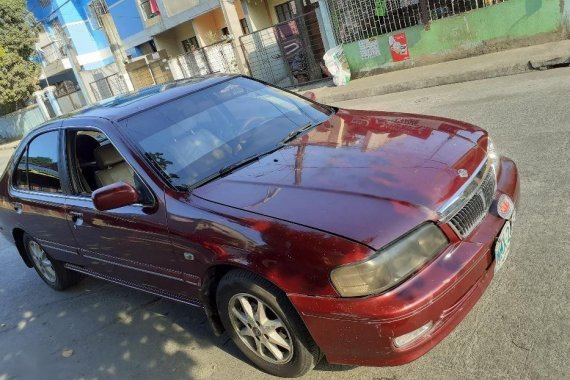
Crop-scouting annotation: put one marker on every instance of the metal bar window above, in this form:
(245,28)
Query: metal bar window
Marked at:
(244,26)
(98,8)
(285,11)
(190,44)
(355,20)
(53,52)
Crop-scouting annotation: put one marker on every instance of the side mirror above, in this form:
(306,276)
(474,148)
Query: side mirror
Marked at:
(310,95)
(115,195)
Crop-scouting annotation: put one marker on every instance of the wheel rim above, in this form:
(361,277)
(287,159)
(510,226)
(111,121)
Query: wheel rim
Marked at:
(42,262)
(260,328)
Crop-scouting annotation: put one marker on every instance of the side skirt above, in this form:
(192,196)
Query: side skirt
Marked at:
(144,288)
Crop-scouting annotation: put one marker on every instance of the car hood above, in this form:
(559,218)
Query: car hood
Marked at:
(366,176)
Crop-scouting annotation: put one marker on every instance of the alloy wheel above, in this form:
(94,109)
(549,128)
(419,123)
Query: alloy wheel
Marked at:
(260,328)
(42,262)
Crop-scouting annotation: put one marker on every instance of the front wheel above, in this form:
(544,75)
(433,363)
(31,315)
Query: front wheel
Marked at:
(51,271)
(265,326)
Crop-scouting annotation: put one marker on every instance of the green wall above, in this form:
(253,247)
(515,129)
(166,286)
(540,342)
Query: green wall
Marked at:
(513,19)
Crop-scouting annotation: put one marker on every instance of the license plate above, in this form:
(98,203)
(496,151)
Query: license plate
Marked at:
(503,245)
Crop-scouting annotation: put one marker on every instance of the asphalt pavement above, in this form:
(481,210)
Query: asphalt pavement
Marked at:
(520,329)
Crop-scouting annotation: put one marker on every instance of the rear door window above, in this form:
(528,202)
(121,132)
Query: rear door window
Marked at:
(43,163)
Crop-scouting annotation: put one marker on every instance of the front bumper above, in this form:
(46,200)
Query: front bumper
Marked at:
(360,331)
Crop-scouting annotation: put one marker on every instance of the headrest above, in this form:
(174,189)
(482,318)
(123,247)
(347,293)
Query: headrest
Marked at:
(85,147)
(106,156)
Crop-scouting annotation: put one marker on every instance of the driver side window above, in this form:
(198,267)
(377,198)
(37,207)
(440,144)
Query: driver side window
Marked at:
(95,163)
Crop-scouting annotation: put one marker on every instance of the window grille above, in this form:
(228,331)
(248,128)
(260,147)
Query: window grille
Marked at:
(57,32)
(355,20)
(98,8)
(285,11)
(244,26)
(190,44)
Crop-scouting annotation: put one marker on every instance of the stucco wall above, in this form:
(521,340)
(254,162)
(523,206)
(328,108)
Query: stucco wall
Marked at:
(89,43)
(171,40)
(513,19)
(262,13)
(168,41)
(176,6)
(210,22)
(239,9)
(259,16)
(126,15)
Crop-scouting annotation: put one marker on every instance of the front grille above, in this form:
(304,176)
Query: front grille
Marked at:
(470,215)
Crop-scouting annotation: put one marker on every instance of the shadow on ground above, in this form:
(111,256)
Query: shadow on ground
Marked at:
(106,330)
(102,330)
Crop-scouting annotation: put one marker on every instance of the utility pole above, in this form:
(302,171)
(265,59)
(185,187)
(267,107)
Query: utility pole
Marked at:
(232,22)
(70,51)
(110,30)
(65,40)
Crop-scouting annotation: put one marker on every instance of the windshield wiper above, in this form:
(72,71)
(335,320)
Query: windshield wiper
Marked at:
(293,135)
(248,160)
(233,167)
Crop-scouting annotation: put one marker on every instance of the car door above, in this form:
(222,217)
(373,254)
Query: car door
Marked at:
(130,243)
(37,193)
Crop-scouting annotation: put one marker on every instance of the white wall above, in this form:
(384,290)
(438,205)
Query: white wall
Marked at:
(171,40)
(213,22)
(176,6)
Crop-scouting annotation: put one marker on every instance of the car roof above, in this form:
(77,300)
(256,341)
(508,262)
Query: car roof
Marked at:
(122,106)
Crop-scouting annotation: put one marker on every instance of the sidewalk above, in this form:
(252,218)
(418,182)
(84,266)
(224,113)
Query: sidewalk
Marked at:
(9,146)
(508,62)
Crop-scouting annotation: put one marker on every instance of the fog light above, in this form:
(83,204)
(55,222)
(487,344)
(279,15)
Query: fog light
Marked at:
(505,207)
(408,338)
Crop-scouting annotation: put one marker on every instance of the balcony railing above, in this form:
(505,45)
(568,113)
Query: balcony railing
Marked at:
(53,52)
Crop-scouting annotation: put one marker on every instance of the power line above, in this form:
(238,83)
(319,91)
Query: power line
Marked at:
(51,14)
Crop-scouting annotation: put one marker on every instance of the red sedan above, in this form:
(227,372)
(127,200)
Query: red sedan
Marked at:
(302,230)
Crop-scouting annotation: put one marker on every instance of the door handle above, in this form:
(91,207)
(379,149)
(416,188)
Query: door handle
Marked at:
(18,207)
(76,218)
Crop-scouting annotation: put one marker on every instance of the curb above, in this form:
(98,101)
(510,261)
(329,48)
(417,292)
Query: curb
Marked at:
(468,76)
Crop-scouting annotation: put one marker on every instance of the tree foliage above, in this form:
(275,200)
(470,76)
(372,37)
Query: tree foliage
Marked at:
(18,75)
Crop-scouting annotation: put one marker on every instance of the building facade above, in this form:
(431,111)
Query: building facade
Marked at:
(379,36)
(73,47)
(108,47)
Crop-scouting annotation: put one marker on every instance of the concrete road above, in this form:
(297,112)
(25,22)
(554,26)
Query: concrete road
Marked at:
(520,329)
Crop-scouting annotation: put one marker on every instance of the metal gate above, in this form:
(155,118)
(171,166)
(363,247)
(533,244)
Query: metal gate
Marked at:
(286,54)
(215,58)
(109,86)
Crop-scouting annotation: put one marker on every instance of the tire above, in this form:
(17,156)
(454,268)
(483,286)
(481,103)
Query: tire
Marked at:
(281,328)
(51,271)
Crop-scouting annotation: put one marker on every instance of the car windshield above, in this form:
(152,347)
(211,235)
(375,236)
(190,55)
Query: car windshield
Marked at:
(193,138)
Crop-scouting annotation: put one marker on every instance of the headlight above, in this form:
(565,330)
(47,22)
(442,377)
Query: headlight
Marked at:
(493,156)
(391,265)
